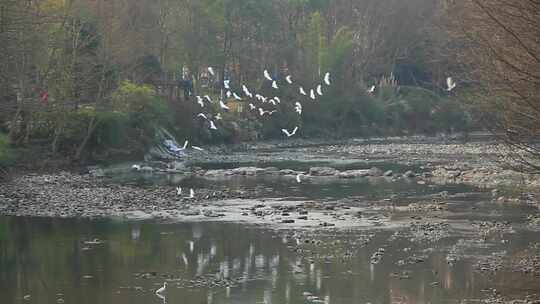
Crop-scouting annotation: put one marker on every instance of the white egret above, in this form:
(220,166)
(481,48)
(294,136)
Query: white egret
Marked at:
(136,167)
(272,101)
(302,91)
(212,126)
(211,71)
(200,101)
(178,190)
(191,193)
(298,108)
(277,99)
(298,180)
(202,115)
(327,79)
(226,84)
(228,94)
(218,116)
(262,112)
(267,75)
(252,107)
(289,79)
(289,134)
(197,148)
(247,92)
(274,85)
(319,90)
(450,83)
(312,94)
(162,289)
(223,105)
(371,89)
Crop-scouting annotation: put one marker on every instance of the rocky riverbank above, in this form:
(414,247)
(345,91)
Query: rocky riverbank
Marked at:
(93,195)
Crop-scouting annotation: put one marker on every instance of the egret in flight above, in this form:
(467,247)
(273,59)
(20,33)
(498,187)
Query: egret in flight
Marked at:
(223,105)
(267,75)
(450,84)
(289,134)
(200,101)
(289,79)
(247,92)
(327,79)
(262,112)
(319,90)
(298,108)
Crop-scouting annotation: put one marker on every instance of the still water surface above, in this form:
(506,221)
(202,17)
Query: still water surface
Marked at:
(225,263)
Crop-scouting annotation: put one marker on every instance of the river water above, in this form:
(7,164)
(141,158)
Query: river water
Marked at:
(53,260)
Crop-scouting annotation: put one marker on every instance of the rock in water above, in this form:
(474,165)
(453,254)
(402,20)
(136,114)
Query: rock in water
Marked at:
(322,171)
(409,174)
(375,172)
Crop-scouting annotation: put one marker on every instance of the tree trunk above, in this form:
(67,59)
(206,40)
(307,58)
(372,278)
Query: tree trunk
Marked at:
(90,131)
(57,133)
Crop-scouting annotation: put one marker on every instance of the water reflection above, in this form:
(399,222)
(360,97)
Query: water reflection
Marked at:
(216,263)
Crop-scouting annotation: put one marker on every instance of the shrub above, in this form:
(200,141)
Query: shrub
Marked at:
(7,157)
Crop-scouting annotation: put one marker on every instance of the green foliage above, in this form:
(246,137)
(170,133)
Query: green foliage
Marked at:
(7,156)
(140,103)
(336,56)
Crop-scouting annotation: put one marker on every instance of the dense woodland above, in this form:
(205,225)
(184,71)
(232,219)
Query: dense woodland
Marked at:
(87,79)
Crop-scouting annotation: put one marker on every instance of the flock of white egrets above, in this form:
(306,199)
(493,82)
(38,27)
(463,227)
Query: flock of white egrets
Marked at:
(261,105)
(253,99)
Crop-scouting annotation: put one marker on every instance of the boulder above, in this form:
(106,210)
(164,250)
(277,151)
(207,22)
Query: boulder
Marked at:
(245,171)
(375,172)
(409,174)
(353,173)
(322,171)
(147,169)
(286,172)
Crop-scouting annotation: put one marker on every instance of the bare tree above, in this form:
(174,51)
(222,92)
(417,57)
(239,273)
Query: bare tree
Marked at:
(500,51)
